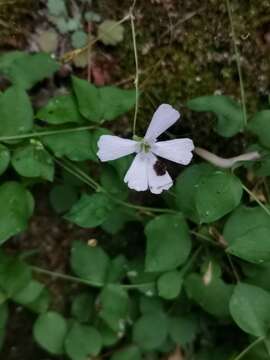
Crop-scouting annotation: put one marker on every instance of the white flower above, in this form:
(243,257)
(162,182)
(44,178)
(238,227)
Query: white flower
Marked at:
(146,171)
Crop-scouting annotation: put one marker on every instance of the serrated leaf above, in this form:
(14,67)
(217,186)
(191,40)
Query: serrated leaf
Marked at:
(110,32)
(79,39)
(228,111)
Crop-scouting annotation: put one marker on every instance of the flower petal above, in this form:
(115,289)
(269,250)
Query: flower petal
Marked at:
(136,176)
(178,150)
(164,117)
(157,183)
(113,147)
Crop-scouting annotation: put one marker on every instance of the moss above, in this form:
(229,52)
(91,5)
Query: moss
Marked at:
(196,58)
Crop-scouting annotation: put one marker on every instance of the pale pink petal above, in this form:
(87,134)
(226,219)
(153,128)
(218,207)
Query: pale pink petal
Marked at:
(157,183)
(178,150)
(113,147)
(136,176)
(164,117)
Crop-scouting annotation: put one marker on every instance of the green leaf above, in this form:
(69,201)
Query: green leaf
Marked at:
(114,303)
(61,109)
(186,187)
(117,219)
(212,296)
(150,331)
(247,233)
(79,39)
(41,304)
(103,103)
(217,195)
(4,158)
(183,329)
(57,7)
(229,113)
(30,293)
(169,285)
(50,330)
(89,263)
(259,125)
(47,40)
(167,255)
(91,210)
(82,342)
(112,183)
(15,112)
(131,352)
(26,70)
(33,161)
(63,197)
(110,32)
(249,307)
(109,337)
(74,145)
(82,307)
(15,275)
(18,209)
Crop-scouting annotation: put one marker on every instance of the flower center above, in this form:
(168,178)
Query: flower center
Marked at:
(144,146)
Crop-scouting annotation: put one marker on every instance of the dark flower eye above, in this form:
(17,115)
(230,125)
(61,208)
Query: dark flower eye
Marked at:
(160,168)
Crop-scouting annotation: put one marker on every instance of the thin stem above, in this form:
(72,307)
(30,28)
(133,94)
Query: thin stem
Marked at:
(238,62)
(136,80)
(80,174)
(71,278)
(74,173)
(65,277)
(248,348)
(204,238)
(45,133)
(69,56)
(258,201)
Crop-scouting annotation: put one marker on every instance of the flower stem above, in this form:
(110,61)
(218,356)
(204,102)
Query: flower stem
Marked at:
(247,349)
(238,62)
(136,79)
(258,201)
(45,133)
